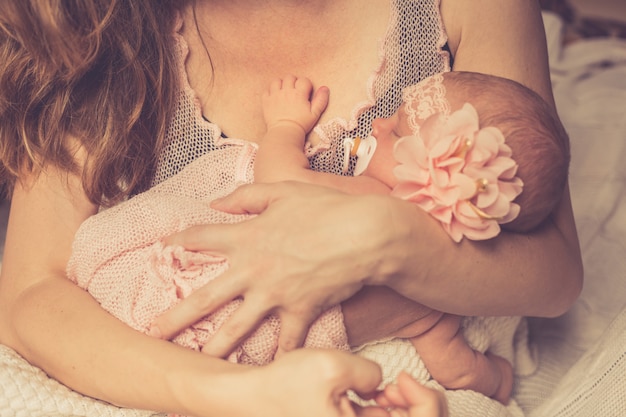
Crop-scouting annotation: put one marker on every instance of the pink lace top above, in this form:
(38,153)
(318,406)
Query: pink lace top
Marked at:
(117,256)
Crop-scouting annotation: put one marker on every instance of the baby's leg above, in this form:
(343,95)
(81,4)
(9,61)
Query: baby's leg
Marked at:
(455,365)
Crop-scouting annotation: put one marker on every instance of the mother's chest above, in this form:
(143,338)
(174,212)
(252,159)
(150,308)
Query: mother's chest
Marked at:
(342,56)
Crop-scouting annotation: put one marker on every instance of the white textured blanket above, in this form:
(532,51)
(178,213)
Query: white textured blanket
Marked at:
(582,354)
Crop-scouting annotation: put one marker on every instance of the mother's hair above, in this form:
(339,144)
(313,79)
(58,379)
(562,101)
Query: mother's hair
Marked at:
(100,72)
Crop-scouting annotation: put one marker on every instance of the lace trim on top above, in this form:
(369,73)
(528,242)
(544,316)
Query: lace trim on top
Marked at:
(411,50)
(338,123)
(424,99)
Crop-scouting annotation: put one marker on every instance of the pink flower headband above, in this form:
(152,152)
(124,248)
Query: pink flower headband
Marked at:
(461,174)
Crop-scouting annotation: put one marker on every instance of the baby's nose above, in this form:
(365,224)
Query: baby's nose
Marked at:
(382,126)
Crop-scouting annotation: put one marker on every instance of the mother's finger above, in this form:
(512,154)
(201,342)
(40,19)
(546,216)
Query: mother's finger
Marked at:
(371,411)
(366,376)
(198,304)
(422,401)
(236,329)
(293,331)
(208,238)
(256,198)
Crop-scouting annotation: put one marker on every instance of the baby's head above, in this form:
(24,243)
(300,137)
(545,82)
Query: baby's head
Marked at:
(531,129)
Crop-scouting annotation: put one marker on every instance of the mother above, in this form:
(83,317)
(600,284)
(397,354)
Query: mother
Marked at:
(90,112)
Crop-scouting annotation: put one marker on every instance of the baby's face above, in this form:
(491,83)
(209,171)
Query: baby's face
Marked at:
(387,132)
(392,128)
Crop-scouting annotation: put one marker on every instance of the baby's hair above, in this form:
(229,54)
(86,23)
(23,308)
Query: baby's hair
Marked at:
(100,74)
(532,129)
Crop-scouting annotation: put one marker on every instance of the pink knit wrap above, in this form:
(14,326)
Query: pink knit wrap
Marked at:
(119,259)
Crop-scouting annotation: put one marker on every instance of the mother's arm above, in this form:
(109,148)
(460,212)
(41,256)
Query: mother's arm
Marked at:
(62,329)
(334,244)
(59,327)
(538,274)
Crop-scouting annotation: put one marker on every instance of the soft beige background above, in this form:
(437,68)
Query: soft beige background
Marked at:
(604,9)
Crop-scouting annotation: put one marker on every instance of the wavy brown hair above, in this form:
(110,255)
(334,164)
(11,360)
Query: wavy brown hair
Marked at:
(101,72)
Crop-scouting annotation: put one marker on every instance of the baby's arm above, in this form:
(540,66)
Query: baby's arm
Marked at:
(290,113)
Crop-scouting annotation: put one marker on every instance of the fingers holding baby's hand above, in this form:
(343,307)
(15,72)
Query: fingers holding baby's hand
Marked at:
(409,398)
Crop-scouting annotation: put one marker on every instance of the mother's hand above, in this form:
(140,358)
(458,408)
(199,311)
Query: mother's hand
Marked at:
(316,383)
(309,248)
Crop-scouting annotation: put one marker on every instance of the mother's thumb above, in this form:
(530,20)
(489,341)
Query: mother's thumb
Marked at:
(249,198)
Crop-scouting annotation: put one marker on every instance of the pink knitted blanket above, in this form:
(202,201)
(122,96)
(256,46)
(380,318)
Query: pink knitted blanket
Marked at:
(119,259)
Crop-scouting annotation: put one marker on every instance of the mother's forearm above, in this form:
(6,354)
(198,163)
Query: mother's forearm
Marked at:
(536,274)
(60,328)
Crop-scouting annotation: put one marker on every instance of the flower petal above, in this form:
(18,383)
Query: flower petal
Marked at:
(440,171)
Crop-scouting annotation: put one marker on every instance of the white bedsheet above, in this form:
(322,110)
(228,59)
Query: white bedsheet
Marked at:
(589,80)
(582,355)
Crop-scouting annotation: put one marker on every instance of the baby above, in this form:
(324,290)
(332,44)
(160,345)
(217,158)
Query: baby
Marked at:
(454,160)
(445,150)
(447,156)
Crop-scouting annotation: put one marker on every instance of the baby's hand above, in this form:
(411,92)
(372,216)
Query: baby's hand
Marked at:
(289,102)
(409,398)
